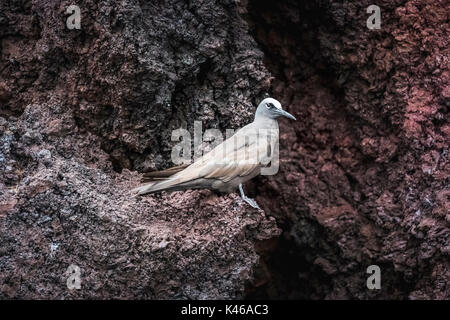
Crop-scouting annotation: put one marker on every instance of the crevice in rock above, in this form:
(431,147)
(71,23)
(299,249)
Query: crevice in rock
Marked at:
(305,262)
(286,270)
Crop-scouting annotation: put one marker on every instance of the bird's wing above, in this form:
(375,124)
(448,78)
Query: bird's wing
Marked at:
(237,156)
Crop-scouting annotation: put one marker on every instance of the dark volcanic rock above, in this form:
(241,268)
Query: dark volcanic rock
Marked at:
(364,175)
(64,211)
(79,106)
(135,70)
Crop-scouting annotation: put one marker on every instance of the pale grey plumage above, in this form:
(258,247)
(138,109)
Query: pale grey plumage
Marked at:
(229,164)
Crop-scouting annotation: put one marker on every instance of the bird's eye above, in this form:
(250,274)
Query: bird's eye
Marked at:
(270,106)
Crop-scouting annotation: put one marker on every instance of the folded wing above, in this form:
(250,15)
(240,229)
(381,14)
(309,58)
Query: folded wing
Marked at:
(237,156)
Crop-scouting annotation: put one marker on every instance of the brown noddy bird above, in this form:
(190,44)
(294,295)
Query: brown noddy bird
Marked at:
(231,163)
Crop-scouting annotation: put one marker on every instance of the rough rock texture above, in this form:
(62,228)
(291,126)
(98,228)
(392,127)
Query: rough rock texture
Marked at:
(135,70)
(365,172)
(81,107)
(364,175)
(64,211)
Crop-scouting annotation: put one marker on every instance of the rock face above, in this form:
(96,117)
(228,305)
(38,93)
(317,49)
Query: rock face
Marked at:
(365,178)
(80,108)
(66,210)
(364,175)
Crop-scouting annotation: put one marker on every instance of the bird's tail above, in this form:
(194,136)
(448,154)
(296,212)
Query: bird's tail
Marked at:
(155,176)
(153,187)
(159,180)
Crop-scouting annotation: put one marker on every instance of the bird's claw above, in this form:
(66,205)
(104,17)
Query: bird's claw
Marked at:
(252,203)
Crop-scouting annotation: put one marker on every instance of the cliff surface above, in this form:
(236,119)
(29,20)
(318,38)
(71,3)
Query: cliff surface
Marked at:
(364,173)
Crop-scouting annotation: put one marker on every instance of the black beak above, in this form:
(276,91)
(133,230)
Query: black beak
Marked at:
(286,114)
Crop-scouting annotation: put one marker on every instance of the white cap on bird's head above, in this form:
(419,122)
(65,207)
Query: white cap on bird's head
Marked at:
(271,108)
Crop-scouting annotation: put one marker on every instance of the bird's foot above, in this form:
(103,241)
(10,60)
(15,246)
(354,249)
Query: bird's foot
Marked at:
(250,201)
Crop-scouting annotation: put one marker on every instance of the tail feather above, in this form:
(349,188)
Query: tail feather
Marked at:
(159,180)
(163,174)
(152,187)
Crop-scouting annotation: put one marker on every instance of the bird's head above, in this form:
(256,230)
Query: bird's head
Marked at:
(271,108)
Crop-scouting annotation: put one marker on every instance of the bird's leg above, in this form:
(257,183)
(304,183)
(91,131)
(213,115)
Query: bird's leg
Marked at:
(247,199)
